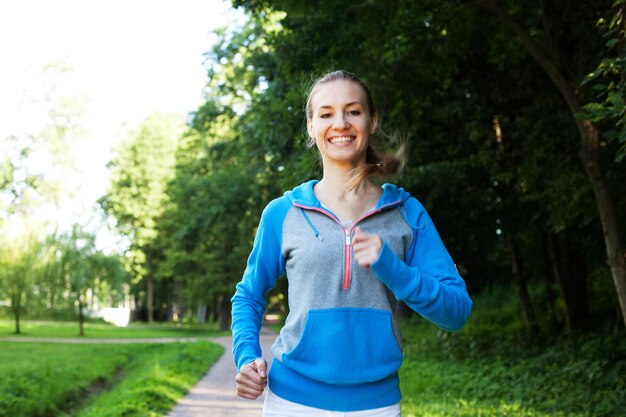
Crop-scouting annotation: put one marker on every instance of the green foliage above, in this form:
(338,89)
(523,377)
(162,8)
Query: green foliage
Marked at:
(21,259)
(608,83)
(136,196)
(140,172)
(51,379)
(490,368)
(77,267)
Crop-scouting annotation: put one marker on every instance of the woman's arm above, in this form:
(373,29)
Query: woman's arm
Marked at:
(428,282)
(265,265)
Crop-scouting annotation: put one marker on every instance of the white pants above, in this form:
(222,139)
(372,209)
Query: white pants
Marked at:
(275,406)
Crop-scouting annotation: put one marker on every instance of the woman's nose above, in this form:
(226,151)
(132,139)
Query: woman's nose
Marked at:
(341,122)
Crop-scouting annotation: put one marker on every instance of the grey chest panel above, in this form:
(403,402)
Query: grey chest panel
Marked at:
(316,261)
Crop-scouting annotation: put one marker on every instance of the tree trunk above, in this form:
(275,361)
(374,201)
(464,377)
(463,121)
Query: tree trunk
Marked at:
(16,306)
(81,319)
(576,276)
(588,153)
(180,299)
(215,309)
(149,289)
(201,313)
(522,288)
(548,272)
(224,313)
(570,276)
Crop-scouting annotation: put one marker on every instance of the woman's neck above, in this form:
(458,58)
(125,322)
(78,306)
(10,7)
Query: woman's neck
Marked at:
(348,204)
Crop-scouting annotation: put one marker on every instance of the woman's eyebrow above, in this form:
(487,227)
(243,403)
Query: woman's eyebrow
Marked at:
(327,106)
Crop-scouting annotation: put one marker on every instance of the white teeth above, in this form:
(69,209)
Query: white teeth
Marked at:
(341,139)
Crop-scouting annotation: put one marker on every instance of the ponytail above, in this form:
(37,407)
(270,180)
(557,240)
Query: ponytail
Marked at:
(378,165)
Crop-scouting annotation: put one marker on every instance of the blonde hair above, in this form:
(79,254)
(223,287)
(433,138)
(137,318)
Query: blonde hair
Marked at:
(376,163)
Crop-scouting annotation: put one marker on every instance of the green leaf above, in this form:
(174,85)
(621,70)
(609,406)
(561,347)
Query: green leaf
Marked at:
(590,77)
(615,20)
(611,42)
(594,107)
(589,116)
(610,134)
(617,101)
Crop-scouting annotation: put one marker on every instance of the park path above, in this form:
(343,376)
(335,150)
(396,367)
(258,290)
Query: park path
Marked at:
(214,395)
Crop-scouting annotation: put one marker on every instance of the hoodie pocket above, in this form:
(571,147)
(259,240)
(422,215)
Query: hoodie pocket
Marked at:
(346,346)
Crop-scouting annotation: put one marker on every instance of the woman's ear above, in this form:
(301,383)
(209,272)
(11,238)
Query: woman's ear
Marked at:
(374,123)
(309,129)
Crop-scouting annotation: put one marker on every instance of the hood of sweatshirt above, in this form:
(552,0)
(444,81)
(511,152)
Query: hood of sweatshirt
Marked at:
(304,196)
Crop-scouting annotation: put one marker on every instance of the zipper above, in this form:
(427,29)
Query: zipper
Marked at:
(347,265)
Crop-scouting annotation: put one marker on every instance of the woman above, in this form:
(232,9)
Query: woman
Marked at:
(350,249)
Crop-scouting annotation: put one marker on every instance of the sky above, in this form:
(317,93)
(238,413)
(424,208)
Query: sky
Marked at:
(128,58)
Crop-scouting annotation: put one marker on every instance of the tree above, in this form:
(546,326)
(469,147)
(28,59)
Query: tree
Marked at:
(589,152)
(20,261)
(136,197)
(83,268)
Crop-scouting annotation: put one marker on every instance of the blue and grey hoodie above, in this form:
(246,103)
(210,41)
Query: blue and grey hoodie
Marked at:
(340,347)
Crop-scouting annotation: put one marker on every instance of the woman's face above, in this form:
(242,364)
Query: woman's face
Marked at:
(340,122)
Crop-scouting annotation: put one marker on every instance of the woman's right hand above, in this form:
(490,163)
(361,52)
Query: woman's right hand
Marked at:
(252,379)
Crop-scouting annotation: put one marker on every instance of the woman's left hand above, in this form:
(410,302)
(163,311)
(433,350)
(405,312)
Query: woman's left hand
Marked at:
(366,247)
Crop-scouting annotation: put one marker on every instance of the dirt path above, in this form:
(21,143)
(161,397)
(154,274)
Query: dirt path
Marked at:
(214,395)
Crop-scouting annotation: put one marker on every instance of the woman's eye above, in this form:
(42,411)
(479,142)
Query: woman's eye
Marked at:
(354,112)
(325,115)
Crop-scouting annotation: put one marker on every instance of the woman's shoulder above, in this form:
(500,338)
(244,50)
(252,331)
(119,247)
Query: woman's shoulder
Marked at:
(410,205)
(278,205)
(393,192)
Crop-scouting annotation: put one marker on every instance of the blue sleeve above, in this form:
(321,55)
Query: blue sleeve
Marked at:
(265,265)
(428,281)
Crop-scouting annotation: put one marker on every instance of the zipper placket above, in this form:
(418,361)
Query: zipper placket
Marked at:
(347,266)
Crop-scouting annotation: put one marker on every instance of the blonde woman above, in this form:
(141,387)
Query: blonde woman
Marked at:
(350,250)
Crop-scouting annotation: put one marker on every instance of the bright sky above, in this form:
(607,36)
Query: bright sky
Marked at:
(130,59)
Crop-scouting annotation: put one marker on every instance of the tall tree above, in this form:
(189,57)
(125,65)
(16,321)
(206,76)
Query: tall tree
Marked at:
(136,197)
(549,56)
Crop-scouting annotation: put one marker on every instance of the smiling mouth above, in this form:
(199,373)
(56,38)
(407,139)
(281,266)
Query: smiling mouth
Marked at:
(341,139)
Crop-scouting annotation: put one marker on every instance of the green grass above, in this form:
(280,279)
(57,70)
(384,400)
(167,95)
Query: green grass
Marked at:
(494,368)
(40,379)
(105,330)
(154,385)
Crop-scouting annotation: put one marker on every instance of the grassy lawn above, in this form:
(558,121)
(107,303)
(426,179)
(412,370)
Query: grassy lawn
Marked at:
(54,379)
(105,330)
(478,372)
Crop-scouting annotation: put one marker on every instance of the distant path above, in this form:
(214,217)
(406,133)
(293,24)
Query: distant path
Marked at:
(214,395)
